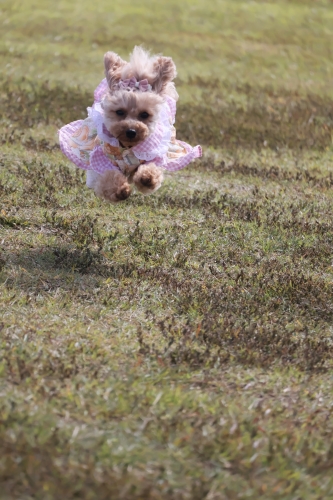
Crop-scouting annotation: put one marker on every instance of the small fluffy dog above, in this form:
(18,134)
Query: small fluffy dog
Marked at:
(129,135)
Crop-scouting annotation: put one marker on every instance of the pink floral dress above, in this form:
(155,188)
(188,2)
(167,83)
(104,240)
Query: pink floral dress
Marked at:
(89,145)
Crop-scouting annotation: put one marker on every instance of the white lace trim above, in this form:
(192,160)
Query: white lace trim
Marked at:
(96,113)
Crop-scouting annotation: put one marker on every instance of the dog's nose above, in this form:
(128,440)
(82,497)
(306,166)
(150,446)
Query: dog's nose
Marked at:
(130,133)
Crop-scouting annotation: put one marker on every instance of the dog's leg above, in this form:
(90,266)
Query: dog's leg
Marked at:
(148,178)
(112,186)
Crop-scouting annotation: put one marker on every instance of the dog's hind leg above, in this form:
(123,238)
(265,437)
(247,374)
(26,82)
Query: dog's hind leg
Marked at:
(112,186)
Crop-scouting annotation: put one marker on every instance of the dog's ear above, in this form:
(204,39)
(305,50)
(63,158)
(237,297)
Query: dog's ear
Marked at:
(165,71)
(113,65)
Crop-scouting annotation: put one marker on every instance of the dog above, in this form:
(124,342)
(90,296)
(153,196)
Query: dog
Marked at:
(129,136)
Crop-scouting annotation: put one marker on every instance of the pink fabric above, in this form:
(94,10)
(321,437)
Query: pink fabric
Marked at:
(101,90)
(99,162)
(133,84)
(153,149)
(65,133)
(183,161)
(172,107)
(152,146)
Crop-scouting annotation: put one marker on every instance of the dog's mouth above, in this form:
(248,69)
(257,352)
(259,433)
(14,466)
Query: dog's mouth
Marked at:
(129,134)
(129,142)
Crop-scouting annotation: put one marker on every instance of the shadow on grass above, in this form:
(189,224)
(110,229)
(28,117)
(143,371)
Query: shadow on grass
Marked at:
(44,270)
(218,341)
(282,319)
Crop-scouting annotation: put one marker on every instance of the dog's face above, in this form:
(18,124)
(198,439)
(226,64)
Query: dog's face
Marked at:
(131,116)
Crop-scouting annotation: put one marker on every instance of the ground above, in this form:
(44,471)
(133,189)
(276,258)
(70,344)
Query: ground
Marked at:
(177,346)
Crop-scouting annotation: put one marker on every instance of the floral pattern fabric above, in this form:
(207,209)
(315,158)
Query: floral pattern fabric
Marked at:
(89,145)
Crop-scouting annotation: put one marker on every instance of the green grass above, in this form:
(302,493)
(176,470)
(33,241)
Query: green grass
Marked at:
(178,346)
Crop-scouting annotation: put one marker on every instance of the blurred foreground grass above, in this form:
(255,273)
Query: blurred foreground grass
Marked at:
(177,346)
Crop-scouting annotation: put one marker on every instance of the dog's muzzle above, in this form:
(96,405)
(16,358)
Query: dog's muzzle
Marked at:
(130,133)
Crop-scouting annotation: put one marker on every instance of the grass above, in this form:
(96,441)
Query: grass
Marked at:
(178,346)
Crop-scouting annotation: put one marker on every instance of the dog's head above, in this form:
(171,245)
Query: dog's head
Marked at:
(136,94)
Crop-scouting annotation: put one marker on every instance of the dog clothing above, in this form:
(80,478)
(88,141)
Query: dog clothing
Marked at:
(90,146)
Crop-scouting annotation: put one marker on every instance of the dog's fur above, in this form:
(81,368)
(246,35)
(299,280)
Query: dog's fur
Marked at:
(132,104)
(114,186)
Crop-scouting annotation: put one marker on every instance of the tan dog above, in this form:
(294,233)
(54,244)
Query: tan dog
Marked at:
(131,116)
(129,137)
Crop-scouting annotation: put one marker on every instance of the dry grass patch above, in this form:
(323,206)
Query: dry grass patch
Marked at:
(177,346)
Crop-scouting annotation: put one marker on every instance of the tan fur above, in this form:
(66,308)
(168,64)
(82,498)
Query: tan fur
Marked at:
(148,178)
(132,103)
(119,130)
(160,71)
(165,71)
(113,65)
(112,186)
(140,65)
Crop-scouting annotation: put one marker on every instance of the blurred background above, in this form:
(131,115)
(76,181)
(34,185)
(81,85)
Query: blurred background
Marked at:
(244,66)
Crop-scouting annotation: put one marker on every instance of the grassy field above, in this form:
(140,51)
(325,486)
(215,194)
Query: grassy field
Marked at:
(177,346)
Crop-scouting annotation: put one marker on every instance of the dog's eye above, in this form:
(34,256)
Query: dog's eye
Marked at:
(143,115)
(120,112)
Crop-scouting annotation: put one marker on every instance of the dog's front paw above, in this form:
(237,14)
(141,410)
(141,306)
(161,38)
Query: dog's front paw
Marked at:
(148,178)
(112,186)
